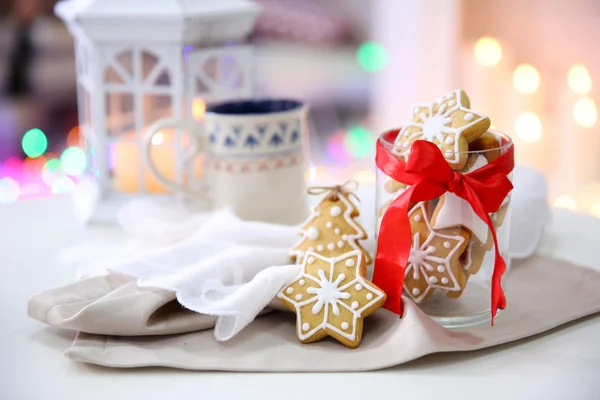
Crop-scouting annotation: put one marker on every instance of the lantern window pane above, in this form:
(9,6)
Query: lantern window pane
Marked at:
(125,60)
(149,62)
(120,116)
(156,107)
(163,79)
(112,76)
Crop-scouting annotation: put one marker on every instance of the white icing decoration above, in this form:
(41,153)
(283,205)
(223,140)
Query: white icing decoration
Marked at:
(447,244)
(345,325)
(310,260)
(298,297)
(449,140)
(329,224)
(336,211)
(313,233)
(331,246)
(340,244)
(337,231)
(369,296)
(423,257)
(405,145)
(434,122)
(320,247)
(317,214)
(344,237)
(349,262)
(448,154)
(444,280)
(469,116)
(415,110)
(456,211)
(290,290)
(301,282)
(358,286)
(305,326)
(417,218)
(328,293)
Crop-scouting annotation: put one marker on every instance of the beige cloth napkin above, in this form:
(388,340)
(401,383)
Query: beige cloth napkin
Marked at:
(543,293)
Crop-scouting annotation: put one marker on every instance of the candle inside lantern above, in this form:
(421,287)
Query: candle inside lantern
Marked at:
(127,164)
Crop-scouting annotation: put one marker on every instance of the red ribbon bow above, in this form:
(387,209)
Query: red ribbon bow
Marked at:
(429,177)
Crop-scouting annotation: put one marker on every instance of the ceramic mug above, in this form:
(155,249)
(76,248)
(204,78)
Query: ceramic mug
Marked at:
(254,158)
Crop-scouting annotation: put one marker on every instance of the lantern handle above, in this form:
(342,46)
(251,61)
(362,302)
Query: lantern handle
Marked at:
(196,134)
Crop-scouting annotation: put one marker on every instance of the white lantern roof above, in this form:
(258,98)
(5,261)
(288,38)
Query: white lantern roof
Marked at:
(189,22)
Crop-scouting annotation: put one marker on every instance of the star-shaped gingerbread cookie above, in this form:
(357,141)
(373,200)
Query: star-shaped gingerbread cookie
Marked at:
(434,257)
(331,297)
(448,122)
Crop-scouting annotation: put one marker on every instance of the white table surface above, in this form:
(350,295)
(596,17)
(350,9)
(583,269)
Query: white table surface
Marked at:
(561,364)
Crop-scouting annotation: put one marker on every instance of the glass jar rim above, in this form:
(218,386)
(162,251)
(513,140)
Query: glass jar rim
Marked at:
(506,141)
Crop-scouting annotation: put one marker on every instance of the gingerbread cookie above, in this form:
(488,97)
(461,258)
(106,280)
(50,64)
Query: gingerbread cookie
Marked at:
(331,230)
(489,144)
(331,297)
(434,261)
(448,123)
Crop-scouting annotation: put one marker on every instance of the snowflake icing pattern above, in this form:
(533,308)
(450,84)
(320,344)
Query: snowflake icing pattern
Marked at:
(338,295)
(425,266)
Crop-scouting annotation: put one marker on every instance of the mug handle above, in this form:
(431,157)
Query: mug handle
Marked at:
(196,136)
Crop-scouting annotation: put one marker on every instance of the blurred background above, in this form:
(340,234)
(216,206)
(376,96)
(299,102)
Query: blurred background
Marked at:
(532,66)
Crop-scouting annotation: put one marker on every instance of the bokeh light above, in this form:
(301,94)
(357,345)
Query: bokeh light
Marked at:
(73,161)
(9,190)
(585,112)
(596,210)
(198,108)
(359,142)
(336,149)
(528,127)
(565,201)
(488,51)
(51,171)
(64,184)
(158,139)
(73,138)
(371,56)
(13,167)
(32,168)
(526,78)
(34,143)
(579,79)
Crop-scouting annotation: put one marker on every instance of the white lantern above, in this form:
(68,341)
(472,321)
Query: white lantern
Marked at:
(141,60)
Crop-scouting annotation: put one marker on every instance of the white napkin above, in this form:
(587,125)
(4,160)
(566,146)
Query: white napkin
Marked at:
(216,264)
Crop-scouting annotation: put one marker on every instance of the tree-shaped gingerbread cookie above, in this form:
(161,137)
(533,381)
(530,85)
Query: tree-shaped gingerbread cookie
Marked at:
(332,229)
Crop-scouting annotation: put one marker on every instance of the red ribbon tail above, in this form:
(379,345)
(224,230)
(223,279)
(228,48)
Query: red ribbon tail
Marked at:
(498,298)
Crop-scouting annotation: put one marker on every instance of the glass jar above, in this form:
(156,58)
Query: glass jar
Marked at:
(449,272)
